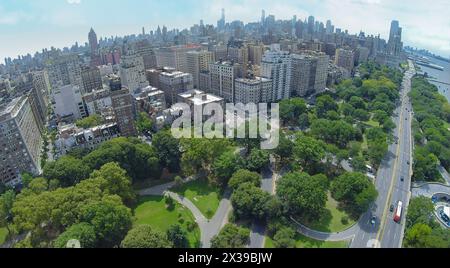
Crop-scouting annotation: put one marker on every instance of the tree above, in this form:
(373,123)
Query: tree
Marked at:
(116,180)
(6,204)
(303,121)
(244,176)
(291,109)
(82,232)
(359,164)
(284,149)
(110,218)
(302,194)
(168,150)
(231,236)
(420,210)
(139,159)
(144,236)
(257,160)
(200,154)
(325,104)
(177,236)
(250,202)
(285,238)
(354,191)
(90,121)
(68,170)
(308,151)
(225,166)
(416,237)
(144,123)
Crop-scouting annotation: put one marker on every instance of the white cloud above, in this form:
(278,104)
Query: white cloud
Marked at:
(76,2)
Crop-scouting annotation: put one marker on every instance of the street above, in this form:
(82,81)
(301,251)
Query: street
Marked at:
(391,188)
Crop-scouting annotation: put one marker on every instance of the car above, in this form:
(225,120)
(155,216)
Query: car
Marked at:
(408,163)
(373,221)
(392,208)
(402,179)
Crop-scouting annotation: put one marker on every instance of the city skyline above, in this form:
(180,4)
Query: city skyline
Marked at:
(32,26)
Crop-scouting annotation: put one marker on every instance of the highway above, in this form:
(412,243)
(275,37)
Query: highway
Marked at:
(397,165)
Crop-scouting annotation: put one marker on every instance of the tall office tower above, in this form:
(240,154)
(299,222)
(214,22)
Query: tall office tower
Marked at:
(20,141)
(395,44)
(5,89)
(122,104)
(197,62)
(277,66)
(91,78)
(309,73)
(221,22)
(175,57)
(345,58)
(263,17)
(64,70)
(254,90)
(132,72)
(222,78)
(311,24)
(93,43)
(174,83)
(68,102)
(328,28)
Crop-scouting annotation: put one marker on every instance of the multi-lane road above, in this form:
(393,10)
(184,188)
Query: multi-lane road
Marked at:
(393,181)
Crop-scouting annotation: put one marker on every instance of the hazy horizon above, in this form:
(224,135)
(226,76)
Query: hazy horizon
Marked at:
(30,26)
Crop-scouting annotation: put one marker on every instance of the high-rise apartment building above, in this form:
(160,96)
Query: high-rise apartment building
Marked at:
(91,78)
(132,72)
(257,90)
(277,66)
(255,54)
(309,73)
(197,62)
(122,104)
(68,102)
(64,70)
(345,58)
(175,57)
(20,141)
(174,83)
(222,77)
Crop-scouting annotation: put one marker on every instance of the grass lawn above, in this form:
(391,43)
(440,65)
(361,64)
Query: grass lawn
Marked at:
(152,210)
(331,221)
(3,233)
(372,123)
(204,196)
(305,242)
(365,144)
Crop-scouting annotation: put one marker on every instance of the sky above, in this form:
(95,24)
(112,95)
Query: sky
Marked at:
(27,26)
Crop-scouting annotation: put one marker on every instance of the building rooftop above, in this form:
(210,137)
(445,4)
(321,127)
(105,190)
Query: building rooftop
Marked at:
(10,107)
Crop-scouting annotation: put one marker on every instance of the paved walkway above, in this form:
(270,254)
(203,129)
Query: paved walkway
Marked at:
(430,189)
(322,236)
(208,228)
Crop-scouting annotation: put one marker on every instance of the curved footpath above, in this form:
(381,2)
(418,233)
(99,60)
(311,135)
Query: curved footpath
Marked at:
(348,234)
(208,228)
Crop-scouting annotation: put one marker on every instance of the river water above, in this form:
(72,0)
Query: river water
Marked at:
(441,76)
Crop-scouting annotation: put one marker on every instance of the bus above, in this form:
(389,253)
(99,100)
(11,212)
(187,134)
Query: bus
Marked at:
(398,212)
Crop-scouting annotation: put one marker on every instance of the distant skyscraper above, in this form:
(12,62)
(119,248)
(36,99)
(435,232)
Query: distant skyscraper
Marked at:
(395,45)
(93,42)
(221,22)
(263,17)
(311,24)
